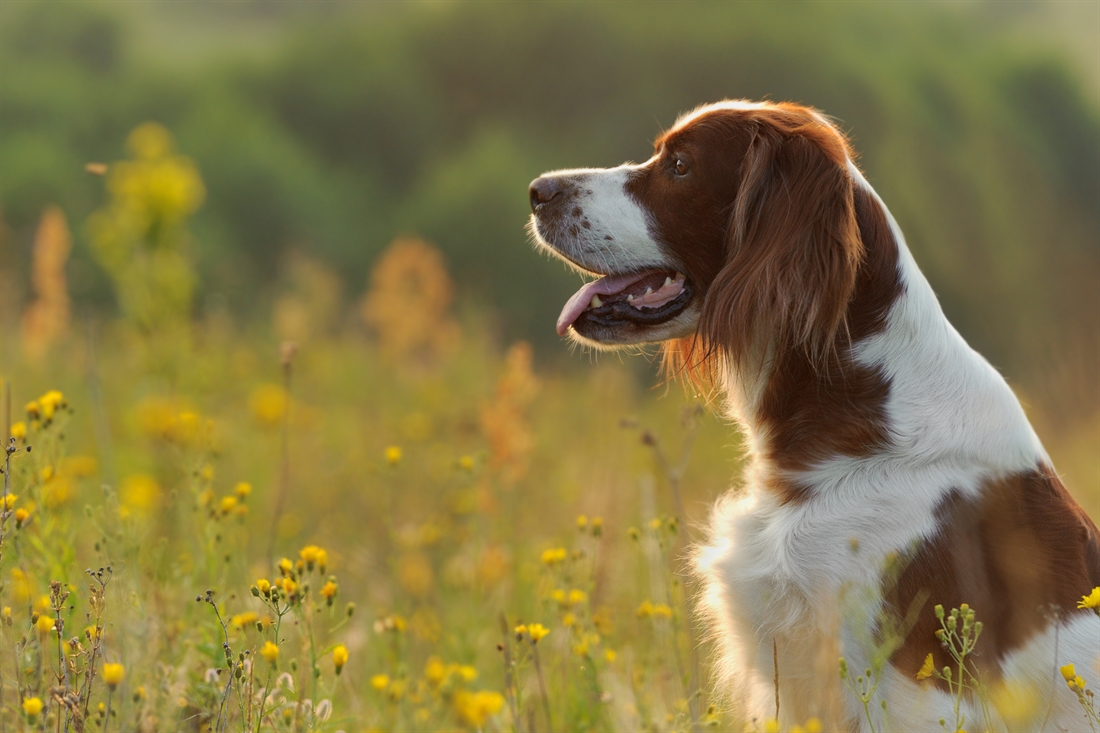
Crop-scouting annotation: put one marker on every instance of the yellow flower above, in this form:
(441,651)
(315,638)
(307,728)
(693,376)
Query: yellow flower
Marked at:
(79,466)
(113,674)
(9,501)
(645,609)
(19,430)
(393,455)
(228,504)
(435,671)
(1092,600)
(380,682)
(554,555)
(139,492)
(270,652)
(1019,703)
(44,624)
(466,463)
(328,590)
(1068,672)
(474,708)
(286,567)
(269,403)
(21,586)
(536,632)
(264,586)
(660,610)
(21,516)
(927,668)
(242,489)
(771,726)
(32,706)
(609,655)
(339,657)
(577,596)
(582,522)
(32,409)
(248,618)
(314,555)
(49,403)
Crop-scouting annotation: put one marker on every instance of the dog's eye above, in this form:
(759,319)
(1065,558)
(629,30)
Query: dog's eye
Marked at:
(680,167)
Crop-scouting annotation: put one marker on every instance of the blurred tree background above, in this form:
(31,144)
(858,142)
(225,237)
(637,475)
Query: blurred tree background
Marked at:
(332,128)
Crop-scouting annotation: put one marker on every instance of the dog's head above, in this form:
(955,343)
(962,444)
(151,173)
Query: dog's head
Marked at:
(739,230)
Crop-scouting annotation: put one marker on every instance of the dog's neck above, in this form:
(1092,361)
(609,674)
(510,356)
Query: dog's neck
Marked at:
(881,394)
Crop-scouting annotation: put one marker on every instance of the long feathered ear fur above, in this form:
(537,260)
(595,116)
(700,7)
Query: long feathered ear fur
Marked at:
(793,248)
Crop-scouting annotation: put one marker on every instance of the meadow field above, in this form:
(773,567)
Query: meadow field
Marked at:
(291,443)
(365,524)
(362,515)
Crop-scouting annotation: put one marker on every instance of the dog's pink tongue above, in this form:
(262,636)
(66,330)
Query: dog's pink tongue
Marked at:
(583,297)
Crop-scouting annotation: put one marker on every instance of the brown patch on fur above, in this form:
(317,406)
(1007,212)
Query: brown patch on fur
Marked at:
(1021,553)
(811,410)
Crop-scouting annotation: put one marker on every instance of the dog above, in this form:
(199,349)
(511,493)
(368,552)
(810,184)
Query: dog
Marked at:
(891,469)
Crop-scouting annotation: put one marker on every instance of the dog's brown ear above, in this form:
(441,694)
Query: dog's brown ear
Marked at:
(793,248)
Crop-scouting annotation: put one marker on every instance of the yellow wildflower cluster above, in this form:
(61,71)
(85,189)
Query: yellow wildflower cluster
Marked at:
(140,238)
(534,632)
(554,556)
(1073,680)
(569,599)
(40,414)
(241,620)
(648,609)
(475,708)
(234,503)
(438,674)
(594,525)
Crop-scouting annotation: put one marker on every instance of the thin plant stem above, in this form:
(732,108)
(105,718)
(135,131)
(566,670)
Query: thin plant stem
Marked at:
(542,686)
(286,357)
(509,681)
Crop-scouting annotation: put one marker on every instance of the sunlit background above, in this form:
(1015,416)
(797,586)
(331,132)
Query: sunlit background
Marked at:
(188,188)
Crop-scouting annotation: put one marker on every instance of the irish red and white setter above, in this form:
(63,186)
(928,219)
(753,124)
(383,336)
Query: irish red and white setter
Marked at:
(891,467)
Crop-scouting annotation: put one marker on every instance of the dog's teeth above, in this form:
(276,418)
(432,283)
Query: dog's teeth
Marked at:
(629,298)
(648,291)
(668,281)
(596,302)
(680,276)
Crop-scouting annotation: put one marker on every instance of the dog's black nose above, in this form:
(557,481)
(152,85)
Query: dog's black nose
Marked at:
(542,190)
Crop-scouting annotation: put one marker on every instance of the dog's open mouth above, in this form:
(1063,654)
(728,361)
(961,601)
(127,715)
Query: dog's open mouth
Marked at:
(644,298)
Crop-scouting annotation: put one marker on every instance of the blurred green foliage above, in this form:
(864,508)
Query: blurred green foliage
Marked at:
(335,128)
